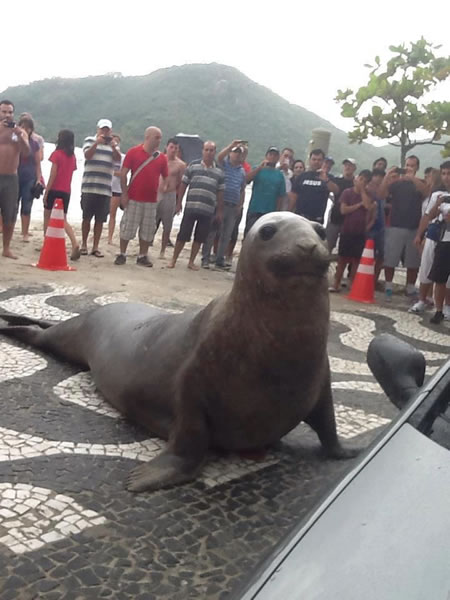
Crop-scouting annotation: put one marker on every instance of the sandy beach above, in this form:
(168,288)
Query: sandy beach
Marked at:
(177,287)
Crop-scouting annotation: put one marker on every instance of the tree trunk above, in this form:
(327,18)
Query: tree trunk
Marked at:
(403,151)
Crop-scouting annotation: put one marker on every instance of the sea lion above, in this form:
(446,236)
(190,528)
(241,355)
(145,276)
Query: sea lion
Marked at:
(238,374)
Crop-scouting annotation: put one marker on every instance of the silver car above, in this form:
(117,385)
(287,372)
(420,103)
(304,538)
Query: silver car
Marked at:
(383,533)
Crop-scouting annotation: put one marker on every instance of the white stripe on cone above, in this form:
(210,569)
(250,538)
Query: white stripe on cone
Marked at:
(366,269)
(55,232)
(368,253)
(57,213)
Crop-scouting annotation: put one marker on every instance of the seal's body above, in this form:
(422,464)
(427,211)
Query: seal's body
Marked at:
(237,374)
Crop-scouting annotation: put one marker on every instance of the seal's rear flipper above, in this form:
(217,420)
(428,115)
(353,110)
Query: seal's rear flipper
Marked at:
(164,471)
(12,319)
(29,334)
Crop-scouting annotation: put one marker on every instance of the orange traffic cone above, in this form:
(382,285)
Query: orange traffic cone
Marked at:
(53,254)
(363,288)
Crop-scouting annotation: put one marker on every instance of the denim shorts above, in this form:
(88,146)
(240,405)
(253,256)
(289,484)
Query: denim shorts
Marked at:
(25,196)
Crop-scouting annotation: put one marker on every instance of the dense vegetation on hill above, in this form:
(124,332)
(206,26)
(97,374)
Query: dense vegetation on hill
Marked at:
(214,101)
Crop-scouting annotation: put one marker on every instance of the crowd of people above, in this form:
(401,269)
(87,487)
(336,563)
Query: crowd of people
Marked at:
(407,217)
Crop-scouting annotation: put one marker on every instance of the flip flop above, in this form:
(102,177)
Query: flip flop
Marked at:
(97,254)
(83,252)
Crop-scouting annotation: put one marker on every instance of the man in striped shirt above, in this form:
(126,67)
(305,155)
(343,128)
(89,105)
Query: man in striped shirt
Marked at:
(100,152)
(233,201)
(206,184)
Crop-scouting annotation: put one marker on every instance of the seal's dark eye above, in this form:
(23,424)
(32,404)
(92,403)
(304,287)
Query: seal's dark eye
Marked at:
(320,230)
(267,232)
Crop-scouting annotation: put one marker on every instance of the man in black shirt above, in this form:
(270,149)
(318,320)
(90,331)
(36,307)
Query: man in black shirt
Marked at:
(335,218)
(405,198)
(310,191)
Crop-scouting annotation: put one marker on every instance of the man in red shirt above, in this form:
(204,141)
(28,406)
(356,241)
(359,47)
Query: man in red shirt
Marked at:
(139,196)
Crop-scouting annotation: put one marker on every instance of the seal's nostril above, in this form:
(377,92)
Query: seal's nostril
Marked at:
(306,248)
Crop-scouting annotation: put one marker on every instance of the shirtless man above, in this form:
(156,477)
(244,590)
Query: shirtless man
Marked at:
(13,142)
(167,192)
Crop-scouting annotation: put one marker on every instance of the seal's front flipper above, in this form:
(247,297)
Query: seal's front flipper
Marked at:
(164,471)
(323,421)
(188,441)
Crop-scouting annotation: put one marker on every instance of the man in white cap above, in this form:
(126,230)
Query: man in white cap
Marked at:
(100,152)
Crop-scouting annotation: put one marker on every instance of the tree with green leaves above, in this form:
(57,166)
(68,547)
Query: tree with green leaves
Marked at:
(392,106)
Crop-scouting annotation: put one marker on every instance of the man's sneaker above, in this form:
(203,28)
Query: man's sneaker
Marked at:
(388,295)
(205,264)
(121,259)
(228,264)
(446,312)
(220,267)
(418,308)
(144,261)
(437,318)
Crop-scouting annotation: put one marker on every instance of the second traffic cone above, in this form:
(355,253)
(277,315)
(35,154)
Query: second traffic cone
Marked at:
(363,288)
(53,254)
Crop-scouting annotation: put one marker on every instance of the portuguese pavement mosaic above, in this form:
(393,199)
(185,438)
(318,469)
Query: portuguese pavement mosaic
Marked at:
(69,529)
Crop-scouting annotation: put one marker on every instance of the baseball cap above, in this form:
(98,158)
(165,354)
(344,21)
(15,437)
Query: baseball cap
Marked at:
(104,123)
(273,149)
(329,159)
(237,149)
(352,161)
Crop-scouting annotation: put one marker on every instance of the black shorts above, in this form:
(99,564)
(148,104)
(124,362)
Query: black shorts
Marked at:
(95,205)
(9,192)
(440,271)
(202,226)
(53,194)
(351,245)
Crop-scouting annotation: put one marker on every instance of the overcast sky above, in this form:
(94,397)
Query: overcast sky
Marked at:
(302,51)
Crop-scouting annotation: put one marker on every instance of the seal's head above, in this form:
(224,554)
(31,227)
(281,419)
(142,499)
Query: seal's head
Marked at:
(285,250)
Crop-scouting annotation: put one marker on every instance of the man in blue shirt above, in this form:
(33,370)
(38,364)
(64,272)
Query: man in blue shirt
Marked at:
(229,159)
(269,188)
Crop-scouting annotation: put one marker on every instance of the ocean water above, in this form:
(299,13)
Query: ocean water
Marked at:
(74,216)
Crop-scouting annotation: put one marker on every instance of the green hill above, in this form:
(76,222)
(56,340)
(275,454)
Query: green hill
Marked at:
(214,101)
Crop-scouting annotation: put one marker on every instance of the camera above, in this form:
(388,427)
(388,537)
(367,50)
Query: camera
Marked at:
(445,207)
(10,124)
(107,138)
(401,171)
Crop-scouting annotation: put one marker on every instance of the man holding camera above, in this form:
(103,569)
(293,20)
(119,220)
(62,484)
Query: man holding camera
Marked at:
(440,270)
(100,152)
(406,193)
(13,143)
(269,188)
(229,159)
(309,196)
